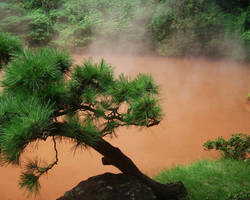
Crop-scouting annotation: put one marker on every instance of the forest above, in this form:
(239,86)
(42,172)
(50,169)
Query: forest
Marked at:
(215,28)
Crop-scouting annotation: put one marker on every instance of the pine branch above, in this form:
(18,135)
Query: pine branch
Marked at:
(45,170)
(30,178)
(113,115)
(153,122)
(73,109)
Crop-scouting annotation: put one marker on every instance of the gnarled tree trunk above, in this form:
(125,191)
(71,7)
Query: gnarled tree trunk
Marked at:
(114,156)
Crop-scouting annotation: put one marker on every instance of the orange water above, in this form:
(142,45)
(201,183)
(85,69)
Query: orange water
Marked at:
(201,99)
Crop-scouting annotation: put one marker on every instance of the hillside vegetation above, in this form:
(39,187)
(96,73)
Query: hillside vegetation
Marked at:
(215,28)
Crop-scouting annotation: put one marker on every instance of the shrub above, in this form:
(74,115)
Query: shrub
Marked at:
(46,5)
(198,27)
(41,28)
(187,28)
(237,147)
(10,46)
(81,22)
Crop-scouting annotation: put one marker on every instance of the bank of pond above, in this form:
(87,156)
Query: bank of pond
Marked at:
(221,179)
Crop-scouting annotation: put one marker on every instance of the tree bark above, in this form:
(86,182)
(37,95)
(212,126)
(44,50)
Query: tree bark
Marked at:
(114,156)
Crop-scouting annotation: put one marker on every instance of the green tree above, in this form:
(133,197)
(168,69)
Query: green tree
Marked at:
(41,28)
(46,5)
(10,46)
(91,104)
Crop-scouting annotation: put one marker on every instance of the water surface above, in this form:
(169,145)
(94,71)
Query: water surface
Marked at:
(201,100)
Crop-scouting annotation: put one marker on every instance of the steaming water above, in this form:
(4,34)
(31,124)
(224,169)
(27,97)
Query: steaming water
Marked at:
(202,100)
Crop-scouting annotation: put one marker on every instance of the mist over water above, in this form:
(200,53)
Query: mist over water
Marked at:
(201,100)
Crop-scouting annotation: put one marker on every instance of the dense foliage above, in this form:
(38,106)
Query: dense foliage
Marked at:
(199,27)
(237,147)
(170,27)
(10,46)
(39,101)
(46,5)
(41,28)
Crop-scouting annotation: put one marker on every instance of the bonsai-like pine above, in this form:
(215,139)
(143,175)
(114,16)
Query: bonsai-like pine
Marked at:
(40,88)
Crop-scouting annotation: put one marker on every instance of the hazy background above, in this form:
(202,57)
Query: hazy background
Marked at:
(214,29)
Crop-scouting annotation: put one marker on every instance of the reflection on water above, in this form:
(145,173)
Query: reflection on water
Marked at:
(201,100)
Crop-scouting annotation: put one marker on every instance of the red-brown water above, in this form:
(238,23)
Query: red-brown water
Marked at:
(201,99)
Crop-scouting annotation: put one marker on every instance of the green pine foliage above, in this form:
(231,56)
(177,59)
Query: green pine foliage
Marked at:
(39,72)
(29,181)
(22,119)
(91,104)
(10,47)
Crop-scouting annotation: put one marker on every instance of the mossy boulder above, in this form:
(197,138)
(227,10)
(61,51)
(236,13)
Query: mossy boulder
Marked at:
(110,186)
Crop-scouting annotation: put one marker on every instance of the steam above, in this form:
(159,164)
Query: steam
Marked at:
(126,27)
(13,18)
(124,30)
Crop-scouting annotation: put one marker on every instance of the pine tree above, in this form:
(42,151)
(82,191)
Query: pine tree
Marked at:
(39,87)
(10,46)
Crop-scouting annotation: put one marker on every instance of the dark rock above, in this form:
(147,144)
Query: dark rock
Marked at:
(110,186)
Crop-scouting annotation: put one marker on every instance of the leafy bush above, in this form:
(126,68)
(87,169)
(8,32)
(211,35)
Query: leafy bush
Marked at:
(237,147)
(81,22)
(46,5)
(75,23)
(10,46)
(203,28)
(41,28)
(187,28)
